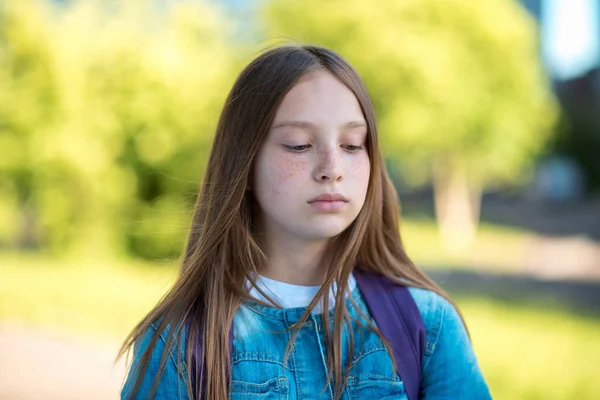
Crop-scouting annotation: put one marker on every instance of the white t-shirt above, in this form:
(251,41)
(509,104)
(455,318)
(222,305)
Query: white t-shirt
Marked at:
(289,295)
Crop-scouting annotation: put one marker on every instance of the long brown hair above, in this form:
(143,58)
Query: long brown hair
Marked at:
(223,252)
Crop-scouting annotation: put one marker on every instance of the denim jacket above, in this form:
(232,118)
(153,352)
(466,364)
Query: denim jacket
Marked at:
(260,369)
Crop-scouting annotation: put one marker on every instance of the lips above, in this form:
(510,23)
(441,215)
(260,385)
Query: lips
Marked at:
(328,197)
(329,203)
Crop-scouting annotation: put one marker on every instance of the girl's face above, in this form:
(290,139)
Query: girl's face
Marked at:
(312,172)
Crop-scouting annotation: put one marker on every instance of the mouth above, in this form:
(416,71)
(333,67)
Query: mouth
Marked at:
(328,203)
(328,197)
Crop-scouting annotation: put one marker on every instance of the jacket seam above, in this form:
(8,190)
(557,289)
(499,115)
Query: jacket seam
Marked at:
(181,372)
(435,332)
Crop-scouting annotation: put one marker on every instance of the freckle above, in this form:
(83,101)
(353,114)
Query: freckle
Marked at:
(290,170)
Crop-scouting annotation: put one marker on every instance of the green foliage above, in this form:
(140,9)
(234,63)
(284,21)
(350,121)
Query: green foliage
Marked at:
(459,78)
(106,118)
(107,108)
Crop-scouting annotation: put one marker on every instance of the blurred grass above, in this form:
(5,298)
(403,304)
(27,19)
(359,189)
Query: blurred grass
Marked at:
(526,351)
(420,237)
(94,298)
(534,353)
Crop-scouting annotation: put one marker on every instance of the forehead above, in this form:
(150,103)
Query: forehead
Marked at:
(320,98)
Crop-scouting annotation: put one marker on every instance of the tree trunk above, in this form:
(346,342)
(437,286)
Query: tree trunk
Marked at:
(28,234)
(457,204)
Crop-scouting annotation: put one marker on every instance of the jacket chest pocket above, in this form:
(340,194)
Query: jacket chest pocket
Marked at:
(273,389)
(372,376)
(372,386)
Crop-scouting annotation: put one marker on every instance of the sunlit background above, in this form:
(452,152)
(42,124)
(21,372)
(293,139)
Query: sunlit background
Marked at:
(489,118)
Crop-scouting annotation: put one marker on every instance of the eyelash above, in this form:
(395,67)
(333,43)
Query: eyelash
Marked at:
(299,148)
(354,148)
(303,147)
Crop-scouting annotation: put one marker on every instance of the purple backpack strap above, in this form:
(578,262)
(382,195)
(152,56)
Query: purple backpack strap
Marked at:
(398,318)
(196,372)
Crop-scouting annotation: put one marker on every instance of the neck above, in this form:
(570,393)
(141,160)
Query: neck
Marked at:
(296,261)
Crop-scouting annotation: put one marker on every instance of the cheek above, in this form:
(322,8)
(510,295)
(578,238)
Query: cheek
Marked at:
(360,170)
(280,174)
(288,171)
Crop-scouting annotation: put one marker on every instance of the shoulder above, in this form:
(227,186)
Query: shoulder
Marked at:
(428,301)
(450,369)
(440,317)
(161,338)
(164,333)
(164,347)
(432,306)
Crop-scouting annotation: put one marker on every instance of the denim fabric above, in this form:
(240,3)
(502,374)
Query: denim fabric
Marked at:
(172,384)
(260,369)
(449,368)
(261,335)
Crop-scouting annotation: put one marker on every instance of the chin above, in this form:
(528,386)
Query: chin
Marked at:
(327,232)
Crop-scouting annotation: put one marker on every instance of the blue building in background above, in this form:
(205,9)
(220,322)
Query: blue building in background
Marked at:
(569,35)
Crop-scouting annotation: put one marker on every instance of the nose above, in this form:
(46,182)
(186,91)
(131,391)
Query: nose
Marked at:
(329,168)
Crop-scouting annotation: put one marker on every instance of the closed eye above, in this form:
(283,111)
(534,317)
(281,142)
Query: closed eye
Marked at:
(353,148)
(299,148)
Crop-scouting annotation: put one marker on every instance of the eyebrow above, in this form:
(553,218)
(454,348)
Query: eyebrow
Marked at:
(310,125)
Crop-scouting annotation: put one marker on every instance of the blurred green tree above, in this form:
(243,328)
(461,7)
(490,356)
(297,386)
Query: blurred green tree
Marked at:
(106,116)
(457,85)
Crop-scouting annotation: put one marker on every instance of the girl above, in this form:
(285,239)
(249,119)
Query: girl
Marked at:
(295,206)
